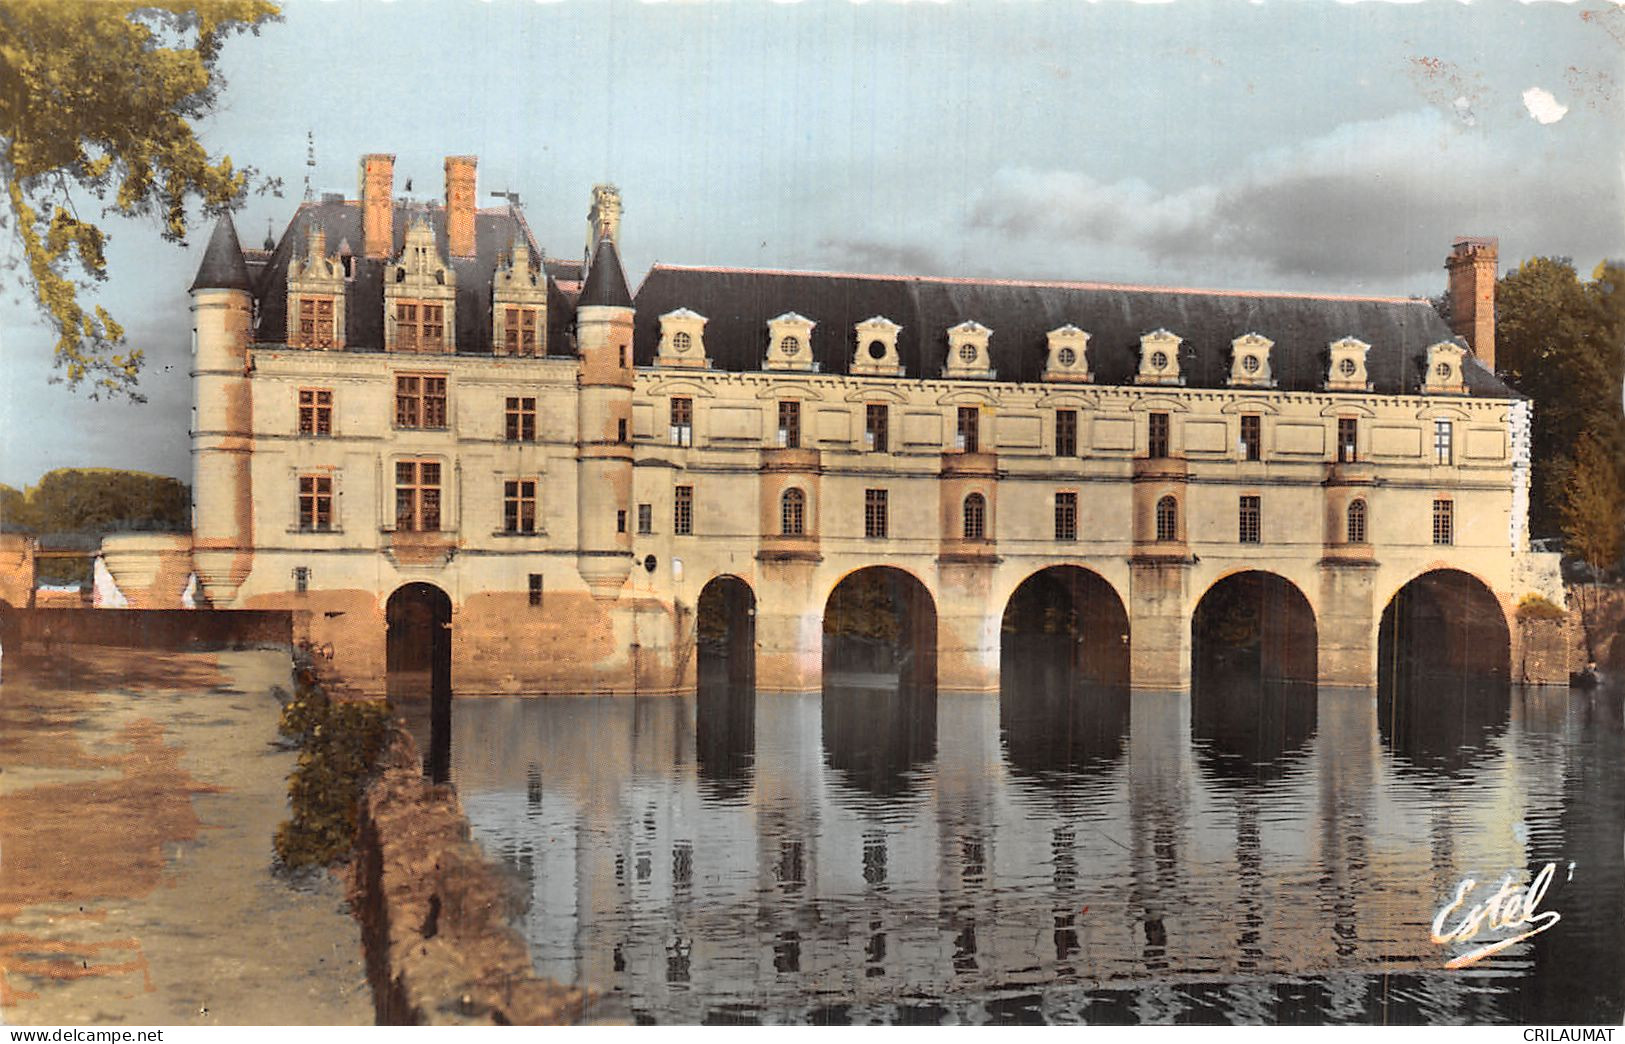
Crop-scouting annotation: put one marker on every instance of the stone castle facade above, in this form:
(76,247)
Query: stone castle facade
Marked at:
(397,394)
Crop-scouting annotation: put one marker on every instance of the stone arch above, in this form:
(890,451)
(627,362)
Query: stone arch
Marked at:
(1078,606)
(725,630)
(875,609)
(725,689)
(417,656)
(1258,623)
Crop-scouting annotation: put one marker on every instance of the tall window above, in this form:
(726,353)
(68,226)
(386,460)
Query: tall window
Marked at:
(420,401)
(1444,451)
(316,322)
(874,512)
(1356,531)
(1066,516)
(1167,519)
(519,505)
(1443,519)
(519,331)
(793,513)
(682,422)
(535,589)
(967,434)
(417,496)
(646,519)
(1066,433)
(315,411)
(520,416)
(789,424)
(301,579)
(875,417)
(975,517)
(1250,521)
(315,503)
(1157,443)
(420,327)
(1348,430)
(682,513)
(1252,440)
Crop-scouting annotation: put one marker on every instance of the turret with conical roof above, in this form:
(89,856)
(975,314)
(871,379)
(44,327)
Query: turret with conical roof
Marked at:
(606,279)
(604,344)
(223,267)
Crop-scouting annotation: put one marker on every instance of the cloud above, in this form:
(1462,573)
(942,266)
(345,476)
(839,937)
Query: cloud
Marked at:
(1371,203)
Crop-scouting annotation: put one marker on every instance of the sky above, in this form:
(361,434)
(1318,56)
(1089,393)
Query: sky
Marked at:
(1312,146)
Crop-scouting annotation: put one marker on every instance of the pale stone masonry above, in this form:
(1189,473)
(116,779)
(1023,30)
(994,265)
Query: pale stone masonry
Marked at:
(573,489)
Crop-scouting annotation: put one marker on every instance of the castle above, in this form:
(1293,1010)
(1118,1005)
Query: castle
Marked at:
(409,412)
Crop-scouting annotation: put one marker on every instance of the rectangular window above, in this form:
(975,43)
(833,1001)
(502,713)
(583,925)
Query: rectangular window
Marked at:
(1066,433)
(520,419)
(682,422)
(536,589)
(620,521)
(1157,445)
(790,424)
(301,579)
(420,400)
(420,327)
(1443,519)
(519,506)
(1348,429)
(620,431)
(1250,521)
(874,512)
(682,515)
(875,417)
(315,411)
(1251,436)
(316,322)
(1066,516)
(315,503)
(417,496)
(646,519)
(1443,449)
(519,330)
(967,433)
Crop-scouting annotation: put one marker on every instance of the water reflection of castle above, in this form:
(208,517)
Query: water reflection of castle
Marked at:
(1138,878)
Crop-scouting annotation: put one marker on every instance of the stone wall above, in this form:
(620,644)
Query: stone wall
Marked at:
(436,917)
(166,629)
(1605,608)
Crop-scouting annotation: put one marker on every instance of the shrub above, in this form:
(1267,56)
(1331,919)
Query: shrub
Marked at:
(1539,607)
(339,742)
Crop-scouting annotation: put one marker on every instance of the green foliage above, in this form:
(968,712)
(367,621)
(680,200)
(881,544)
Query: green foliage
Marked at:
(103,98)
(1539,607)
(98,500)
(1561,341)
(1594,505)
(339,741)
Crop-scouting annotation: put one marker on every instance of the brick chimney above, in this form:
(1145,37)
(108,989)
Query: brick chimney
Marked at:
(1471,265)
(460,205)
(377,206)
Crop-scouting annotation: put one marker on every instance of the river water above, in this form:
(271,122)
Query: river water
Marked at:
(1243,853)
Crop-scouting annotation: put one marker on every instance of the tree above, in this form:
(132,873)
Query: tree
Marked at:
(103,98)
(104,500)
(1593,515)
(1559,341)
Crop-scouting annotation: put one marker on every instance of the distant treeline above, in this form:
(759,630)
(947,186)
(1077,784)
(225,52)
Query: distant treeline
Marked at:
(97,501)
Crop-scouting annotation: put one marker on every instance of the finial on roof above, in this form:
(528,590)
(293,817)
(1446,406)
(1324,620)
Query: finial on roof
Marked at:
(222,267)
(270,240)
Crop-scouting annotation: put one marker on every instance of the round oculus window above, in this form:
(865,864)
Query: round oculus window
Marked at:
(681,342)
(1443,370)
(1347,367)
(1159,360)
(967,353)
(1249,363)
(790,346)
(1066,357)
(877,350)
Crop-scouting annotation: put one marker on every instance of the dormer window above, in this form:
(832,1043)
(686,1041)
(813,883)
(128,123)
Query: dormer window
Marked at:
(1444,370)
(316,322)
(682,340)
(1159,359)
(316,293)
(789,342)
(420,298)
(875,352)
(1250,361)
(519,306)
(968,351)
(1347,369)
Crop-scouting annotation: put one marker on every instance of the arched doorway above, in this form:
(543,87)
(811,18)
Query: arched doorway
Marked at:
(417,655)
(1063,672)
(1444,659)
(1254,661)
(725,692)
(879,700)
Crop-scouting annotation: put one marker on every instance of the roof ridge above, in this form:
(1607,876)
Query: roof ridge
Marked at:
(1059,284)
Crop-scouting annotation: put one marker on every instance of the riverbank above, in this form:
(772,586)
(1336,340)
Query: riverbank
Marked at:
(138,796)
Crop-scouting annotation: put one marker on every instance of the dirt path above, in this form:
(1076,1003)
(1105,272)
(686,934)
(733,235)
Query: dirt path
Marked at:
(138,793)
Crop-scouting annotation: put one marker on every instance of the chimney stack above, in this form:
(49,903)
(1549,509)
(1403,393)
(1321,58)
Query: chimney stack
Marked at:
(1471,265)
(377,205)
(460,205)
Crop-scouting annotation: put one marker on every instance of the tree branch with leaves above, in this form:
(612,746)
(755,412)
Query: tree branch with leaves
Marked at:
(102,99)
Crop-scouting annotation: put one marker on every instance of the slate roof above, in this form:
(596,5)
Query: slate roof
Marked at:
(606,279)
(739,302)
(222,267)
(495,231)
